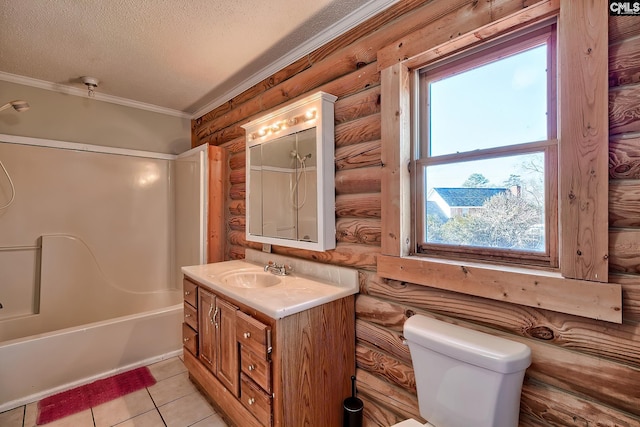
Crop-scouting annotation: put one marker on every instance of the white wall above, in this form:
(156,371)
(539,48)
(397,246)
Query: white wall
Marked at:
(71,118)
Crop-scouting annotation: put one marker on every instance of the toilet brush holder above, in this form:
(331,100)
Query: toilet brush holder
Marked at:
(352,408)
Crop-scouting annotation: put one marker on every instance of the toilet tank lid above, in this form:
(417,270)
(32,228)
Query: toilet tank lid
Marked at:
(467,345)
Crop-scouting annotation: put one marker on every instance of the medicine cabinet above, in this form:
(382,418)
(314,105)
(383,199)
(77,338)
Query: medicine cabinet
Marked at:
(290,190)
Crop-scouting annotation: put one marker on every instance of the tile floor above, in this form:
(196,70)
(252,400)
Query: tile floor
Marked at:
(172,402)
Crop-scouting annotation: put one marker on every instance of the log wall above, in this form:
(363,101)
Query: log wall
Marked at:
(584,371)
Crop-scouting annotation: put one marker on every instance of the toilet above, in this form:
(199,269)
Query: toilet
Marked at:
(464,378)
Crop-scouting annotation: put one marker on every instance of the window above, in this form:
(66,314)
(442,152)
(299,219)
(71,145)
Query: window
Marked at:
(577,207)
(485,153)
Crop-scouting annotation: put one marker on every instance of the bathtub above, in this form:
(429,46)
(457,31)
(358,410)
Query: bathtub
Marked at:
(83,326)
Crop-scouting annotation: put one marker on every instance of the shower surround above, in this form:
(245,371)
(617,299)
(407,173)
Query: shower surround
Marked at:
(87,265)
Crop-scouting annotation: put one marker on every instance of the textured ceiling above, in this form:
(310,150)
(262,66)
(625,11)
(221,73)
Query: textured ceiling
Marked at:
(179,55)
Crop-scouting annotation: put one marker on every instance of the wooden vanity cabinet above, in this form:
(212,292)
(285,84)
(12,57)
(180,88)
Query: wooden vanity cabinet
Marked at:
(190,325)
(289,372)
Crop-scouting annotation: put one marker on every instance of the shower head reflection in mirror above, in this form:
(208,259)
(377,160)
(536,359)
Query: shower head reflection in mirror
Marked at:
(295,201)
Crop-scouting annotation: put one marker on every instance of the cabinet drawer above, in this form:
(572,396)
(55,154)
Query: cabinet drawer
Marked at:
(190,292)
(255,400)
(253,334)
(190,339)
(256,368)
(191,316)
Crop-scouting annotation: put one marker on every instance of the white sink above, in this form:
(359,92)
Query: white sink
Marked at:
(250,280)
(311,284)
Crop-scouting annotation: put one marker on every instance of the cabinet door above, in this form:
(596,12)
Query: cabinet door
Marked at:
(206,328)
(227,370)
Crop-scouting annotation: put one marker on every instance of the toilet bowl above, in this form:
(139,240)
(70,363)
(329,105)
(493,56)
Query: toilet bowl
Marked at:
(464,377)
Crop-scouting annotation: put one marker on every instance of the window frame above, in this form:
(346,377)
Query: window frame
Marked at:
(489,52)
(580,286)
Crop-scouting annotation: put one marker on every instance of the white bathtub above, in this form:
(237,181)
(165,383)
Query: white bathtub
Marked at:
(84,327)
(38,366)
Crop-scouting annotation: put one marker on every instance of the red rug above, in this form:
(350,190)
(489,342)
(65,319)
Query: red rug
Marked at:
(87,396)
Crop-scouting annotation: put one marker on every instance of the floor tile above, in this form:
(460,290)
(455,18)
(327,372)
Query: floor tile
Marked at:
(31,414)
(171,389)
(179,402)
(148,419)
(214,420)
(123,408)
(167,368)
(12,418)
(81,419)
(186,411)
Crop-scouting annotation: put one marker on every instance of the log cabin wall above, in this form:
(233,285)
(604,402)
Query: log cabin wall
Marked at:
(584,372)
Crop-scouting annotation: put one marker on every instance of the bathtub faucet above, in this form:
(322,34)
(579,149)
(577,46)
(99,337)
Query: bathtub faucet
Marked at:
(278,269)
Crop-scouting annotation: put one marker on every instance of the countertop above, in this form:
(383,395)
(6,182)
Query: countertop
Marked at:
(294,293)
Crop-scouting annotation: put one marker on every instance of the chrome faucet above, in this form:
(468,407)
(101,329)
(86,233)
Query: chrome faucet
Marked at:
(278,269)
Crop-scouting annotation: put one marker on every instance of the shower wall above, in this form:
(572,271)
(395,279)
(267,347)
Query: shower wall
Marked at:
(120,206)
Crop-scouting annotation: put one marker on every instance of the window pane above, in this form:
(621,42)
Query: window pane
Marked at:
(495,203)
(494,105)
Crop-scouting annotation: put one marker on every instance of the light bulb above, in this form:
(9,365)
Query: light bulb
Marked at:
(310,115)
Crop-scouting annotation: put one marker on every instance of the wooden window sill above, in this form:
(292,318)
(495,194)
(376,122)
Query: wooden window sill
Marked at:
(529,287)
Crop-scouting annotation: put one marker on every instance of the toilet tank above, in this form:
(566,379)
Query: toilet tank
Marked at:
(465,377)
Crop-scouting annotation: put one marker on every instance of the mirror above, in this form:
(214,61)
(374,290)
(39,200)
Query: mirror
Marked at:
(290,198)
(284,171)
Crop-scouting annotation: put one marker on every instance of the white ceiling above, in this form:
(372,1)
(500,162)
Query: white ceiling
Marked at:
(181,57)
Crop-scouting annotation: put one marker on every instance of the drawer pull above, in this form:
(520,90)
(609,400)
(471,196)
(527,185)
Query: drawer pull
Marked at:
(186,339)
(187,293)
(247,335)
(251,368)
(187,315)
(251,401)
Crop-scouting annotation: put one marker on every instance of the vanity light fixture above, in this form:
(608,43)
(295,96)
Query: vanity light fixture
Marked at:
(283,124)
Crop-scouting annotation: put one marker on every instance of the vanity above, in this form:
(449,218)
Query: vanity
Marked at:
(269,349)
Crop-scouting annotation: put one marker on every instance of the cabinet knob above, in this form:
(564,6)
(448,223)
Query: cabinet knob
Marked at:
(247,335)
(187,315)
(251,368)
(251,401)
(186,339)
(187,293)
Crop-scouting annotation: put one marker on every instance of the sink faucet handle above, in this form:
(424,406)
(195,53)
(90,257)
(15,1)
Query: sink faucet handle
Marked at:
(271,265)
(278,269)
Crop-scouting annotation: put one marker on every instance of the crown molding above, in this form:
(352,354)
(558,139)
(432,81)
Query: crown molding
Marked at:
(70,90)
(339,27)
